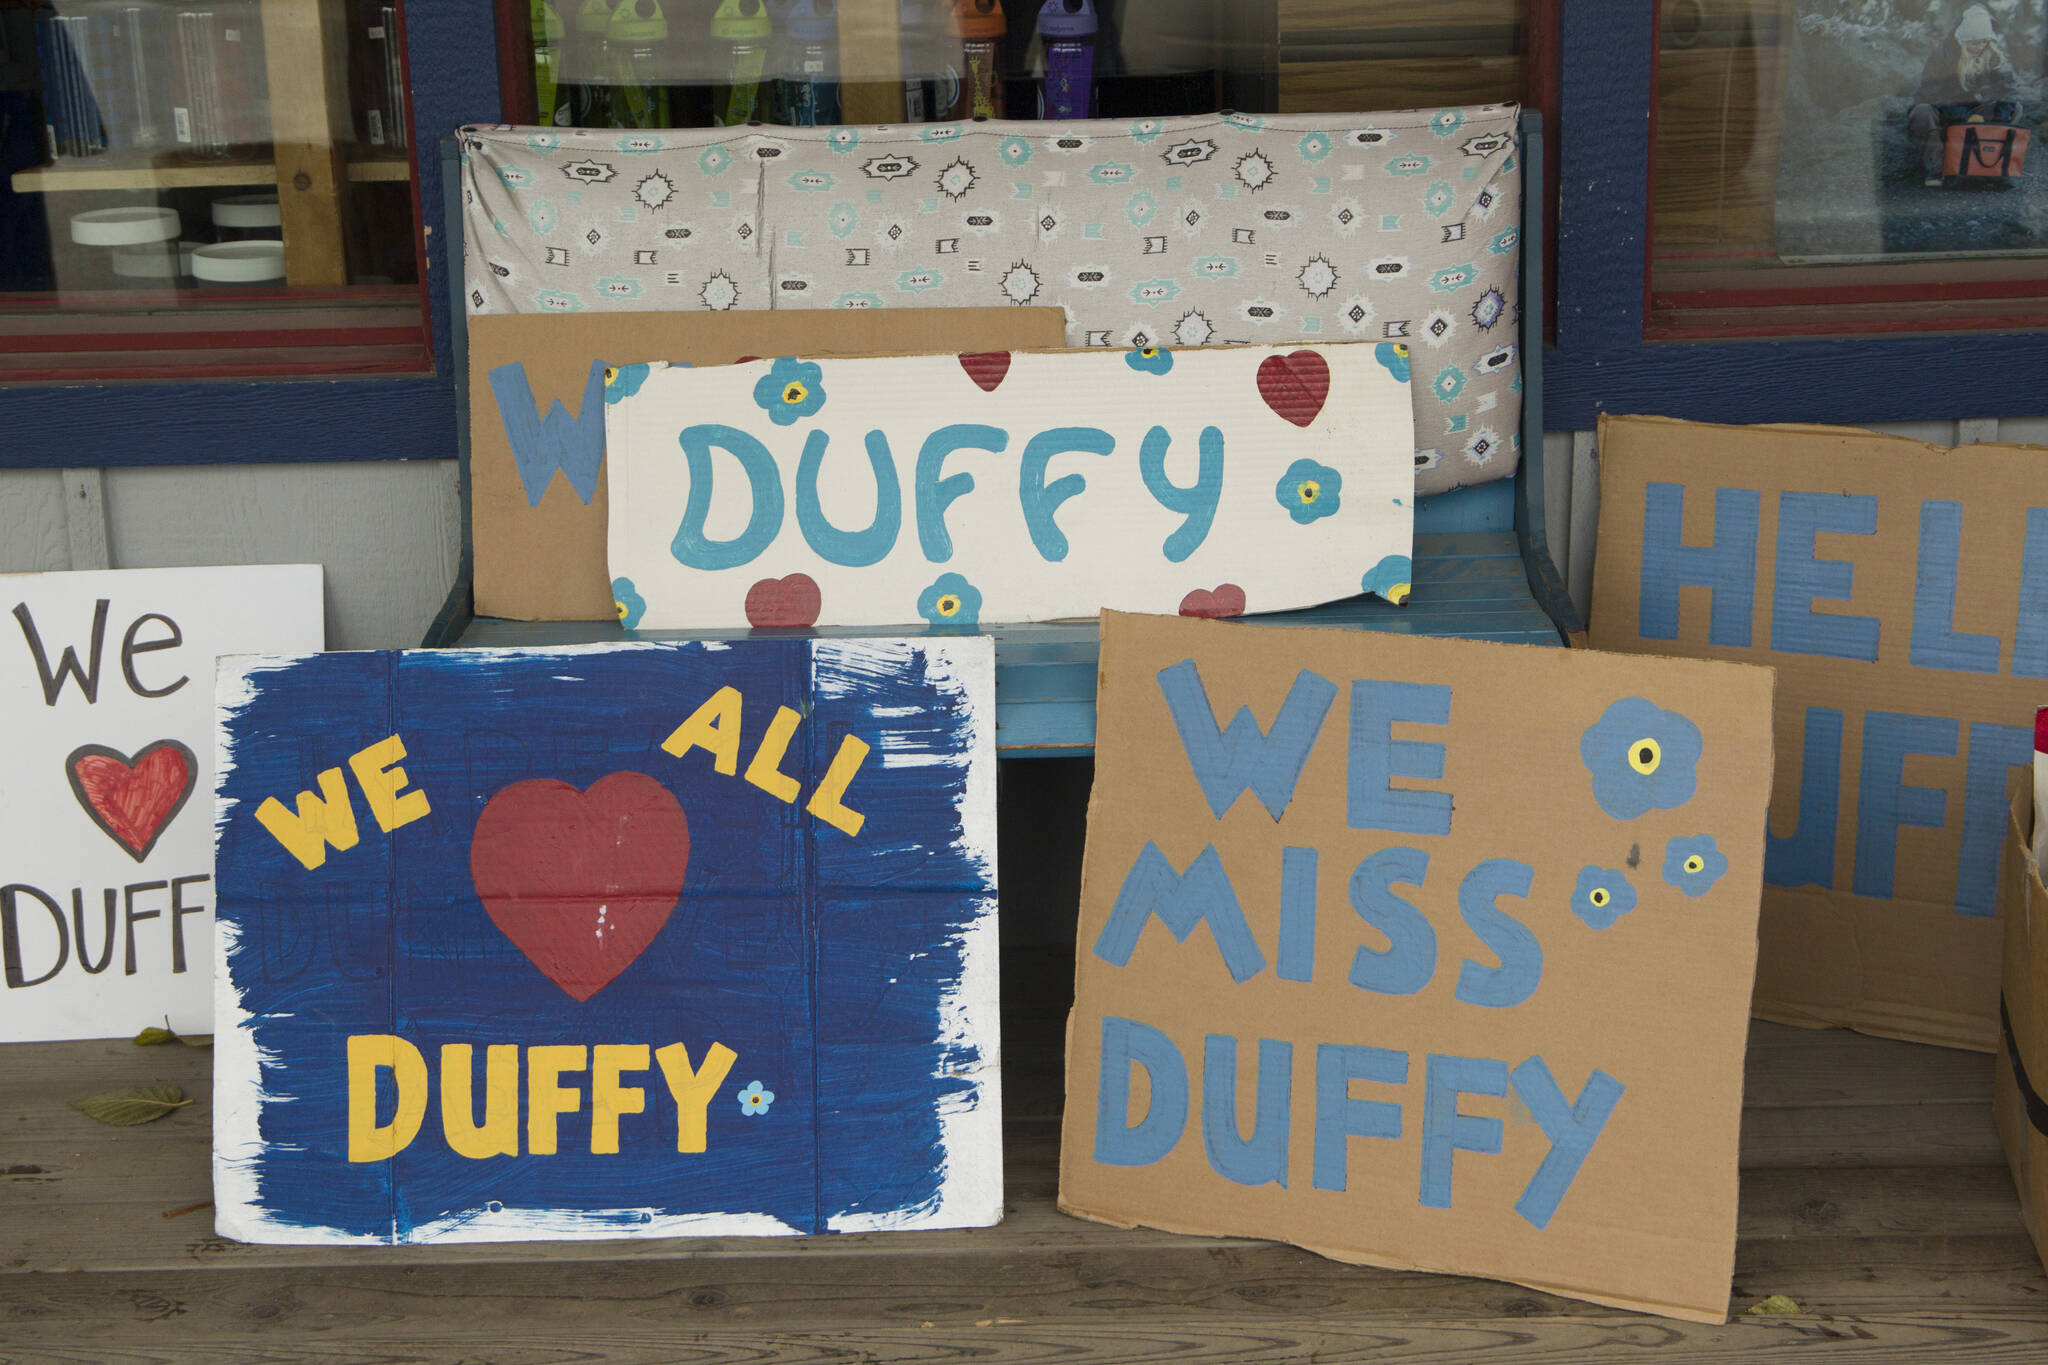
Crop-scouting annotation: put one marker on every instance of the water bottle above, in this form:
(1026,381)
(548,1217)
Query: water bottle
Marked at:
(1068,29)
(546,29)
(586,96)
(742,29)
(808,93)
(978,25)
(633,44)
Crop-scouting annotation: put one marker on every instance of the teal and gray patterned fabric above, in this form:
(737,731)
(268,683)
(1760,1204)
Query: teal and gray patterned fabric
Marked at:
(1233,228)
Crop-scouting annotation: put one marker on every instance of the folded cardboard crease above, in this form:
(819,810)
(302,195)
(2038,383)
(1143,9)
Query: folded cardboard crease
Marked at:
(2018,1101)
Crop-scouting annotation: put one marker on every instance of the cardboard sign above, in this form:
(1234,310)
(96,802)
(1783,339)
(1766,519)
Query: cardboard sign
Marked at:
(536,424)
(2019,1101)
(106,840)
(1901,591)
(1420,953)
(621,941)
(1010,486)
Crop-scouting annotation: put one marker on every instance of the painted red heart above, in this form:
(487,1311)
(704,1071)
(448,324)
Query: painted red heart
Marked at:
(1295,385)
(781,602)
(986,368)
(581,881)
(1226,600)
(132,799)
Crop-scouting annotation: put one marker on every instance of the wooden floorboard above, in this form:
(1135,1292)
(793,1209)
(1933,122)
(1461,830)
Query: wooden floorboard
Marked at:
(1873,1194)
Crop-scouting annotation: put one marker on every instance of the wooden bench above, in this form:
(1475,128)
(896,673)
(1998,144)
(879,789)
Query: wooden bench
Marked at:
(1873,1194)
(1483,568)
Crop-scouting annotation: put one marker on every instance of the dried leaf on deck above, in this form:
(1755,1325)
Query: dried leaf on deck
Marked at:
(131,1105)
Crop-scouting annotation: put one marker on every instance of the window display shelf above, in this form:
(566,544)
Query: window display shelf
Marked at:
(111,174)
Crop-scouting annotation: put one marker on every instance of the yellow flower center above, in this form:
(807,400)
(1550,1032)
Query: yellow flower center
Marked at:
(949,605)
(1400,350)
(1598,897)
(621,606)
(1645,756)
(1308,490)
(795,392)
(1150,353)
(1695,863)
(611,372)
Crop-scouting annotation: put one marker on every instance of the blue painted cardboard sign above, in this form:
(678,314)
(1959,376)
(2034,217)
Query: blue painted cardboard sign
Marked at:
(1430,954)
(631,940)
(1900,590)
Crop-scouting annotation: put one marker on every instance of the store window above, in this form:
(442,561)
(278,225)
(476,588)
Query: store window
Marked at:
(1848,166)
(206,188)
(698,63)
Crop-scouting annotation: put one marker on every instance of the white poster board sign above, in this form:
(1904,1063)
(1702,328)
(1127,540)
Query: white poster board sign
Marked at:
(1010,486)
(106,817)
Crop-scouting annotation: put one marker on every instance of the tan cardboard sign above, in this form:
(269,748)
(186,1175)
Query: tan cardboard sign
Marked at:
(1901,591)
(538,501)
(2019,1099)
(1421,953)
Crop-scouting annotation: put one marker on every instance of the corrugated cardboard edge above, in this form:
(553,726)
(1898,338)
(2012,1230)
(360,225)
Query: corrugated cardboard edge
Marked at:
(2025,968)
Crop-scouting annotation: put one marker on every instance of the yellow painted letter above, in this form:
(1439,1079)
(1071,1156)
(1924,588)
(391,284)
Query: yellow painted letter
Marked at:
(853,751)
(765,771)
(367,1054)
(545,1098)
(382,780)
(693,1089)
(609,1099)
(715,728)
(499,1134)
(322,820)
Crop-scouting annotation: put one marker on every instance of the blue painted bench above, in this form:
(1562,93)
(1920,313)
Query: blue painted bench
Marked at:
(1483,569)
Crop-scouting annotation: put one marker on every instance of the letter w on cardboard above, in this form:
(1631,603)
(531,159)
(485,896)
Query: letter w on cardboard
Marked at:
(1428,954)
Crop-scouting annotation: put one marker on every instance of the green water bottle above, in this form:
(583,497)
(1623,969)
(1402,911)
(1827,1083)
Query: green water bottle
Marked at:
(546,29)
(742,29)
(633,45)
(585,99)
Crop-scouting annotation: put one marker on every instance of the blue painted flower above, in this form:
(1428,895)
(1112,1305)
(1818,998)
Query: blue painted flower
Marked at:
(1309,491)
(623,381)
(1641,758)
(632,606)
(1391,578)
(951,602)
(1394,356)
(1693,865)
(791,389)
(1446,122)
(1602,896)
(1150,359)
(1449,383)
(754,1100)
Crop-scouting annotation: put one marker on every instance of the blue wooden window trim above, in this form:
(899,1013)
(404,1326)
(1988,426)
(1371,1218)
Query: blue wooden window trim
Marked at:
(454,68)
(1607,54)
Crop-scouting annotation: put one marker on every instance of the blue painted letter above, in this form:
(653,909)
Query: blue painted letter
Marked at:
(1935,642)
(1125,1043)
(1152,887)
(692,547)
(1571,1128)
(1041,499)
(1377,757)
(1796,628)
(541,445)
(1883,800)
(1197,502)
(1297,914)
(1521,956)
(1808,857)
(934,494)
(1409,960)
(853,549)
(1994,751)
(2030,637)
(1445,1131)
(1727,568)
(1260,1159)
(1241,755)
(1339,1117)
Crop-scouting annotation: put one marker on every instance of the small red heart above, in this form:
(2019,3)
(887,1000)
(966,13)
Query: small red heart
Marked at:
(132,799)
(1226,600)
(1295,385)
(791,601)
(986,368)
(581,881)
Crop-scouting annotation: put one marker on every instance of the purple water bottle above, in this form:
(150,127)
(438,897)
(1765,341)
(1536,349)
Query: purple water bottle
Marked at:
(1068,28)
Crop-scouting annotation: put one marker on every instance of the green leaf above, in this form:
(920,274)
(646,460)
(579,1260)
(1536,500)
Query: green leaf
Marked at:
(153,1035)
(196,1040)
(1776,1306)
(130,1105)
